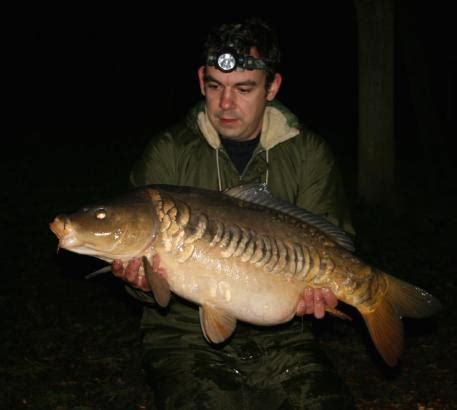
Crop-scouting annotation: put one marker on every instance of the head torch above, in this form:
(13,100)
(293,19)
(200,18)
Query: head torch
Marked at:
(228,60)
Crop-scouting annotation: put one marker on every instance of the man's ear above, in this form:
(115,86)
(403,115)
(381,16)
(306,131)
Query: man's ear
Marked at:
(201,79)
(274,87)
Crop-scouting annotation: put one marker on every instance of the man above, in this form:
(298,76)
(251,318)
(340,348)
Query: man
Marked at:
(239,135)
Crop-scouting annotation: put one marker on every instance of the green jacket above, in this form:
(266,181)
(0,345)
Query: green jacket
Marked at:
(296,163)
(258,367)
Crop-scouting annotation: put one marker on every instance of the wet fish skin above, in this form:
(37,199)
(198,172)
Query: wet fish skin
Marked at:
(239,261)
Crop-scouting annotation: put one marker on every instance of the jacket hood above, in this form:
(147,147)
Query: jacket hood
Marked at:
(279,125)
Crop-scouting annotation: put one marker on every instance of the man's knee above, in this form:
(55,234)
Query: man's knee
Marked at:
(192,384)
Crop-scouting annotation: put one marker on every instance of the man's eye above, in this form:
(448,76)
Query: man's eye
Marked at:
(212,86)
(244,90)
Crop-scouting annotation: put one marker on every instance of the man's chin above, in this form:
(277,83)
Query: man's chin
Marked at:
(229,126)
(229,132)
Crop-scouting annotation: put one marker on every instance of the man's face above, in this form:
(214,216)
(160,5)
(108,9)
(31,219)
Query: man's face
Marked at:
(236,101)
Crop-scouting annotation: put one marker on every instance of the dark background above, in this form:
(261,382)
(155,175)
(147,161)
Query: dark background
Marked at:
(84,91)
(132,71)
(138,71)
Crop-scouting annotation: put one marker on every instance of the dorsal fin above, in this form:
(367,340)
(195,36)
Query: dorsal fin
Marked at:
(258,194)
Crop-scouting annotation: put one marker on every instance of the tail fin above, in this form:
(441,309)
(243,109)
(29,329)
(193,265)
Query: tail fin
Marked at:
(384,323)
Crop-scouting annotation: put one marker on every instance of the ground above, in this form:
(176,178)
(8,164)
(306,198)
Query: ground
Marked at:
(69,343)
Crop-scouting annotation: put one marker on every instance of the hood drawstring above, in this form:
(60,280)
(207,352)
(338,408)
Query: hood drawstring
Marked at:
(268,167)
(219,181)
(218,170)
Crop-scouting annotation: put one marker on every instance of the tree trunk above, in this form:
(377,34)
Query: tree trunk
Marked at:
(375,20)
(430,134)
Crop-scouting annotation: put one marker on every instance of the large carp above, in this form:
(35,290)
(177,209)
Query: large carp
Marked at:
(241,255)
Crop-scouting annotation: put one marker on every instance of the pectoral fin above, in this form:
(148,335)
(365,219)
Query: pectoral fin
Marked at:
(157,283)
(217,324)
(100,271)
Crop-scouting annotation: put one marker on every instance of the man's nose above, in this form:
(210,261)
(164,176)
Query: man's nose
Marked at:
(227,100)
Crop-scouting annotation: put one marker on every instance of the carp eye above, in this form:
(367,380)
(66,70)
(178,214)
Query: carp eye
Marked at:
(100,214)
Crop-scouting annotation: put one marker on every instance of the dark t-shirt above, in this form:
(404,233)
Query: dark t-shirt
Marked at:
(240,152)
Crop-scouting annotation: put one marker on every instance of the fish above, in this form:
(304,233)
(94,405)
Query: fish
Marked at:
(241,255)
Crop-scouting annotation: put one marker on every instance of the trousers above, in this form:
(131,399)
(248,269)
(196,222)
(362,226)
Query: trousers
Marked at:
(278,367)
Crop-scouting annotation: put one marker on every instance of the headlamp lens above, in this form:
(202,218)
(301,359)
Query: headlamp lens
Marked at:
(228,60)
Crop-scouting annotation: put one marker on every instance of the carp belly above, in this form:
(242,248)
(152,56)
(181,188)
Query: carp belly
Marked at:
(250,295)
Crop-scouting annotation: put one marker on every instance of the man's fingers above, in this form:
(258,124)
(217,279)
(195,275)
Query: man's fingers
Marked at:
(329,297)
(319,304)
(309,301)
(301,308)
(142,283)
(314,302)
(117,267)
(132,271)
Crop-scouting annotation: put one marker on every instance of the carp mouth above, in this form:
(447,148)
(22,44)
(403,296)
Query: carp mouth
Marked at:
(64,232)
(58,227)
(69,240)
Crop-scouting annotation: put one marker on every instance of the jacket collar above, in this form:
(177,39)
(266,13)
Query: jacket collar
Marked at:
(279,125)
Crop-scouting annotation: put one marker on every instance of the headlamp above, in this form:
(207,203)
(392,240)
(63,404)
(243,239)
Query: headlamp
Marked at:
(228,60)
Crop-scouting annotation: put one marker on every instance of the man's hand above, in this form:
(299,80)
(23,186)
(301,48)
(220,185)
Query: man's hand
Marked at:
(314,301)
(132,273)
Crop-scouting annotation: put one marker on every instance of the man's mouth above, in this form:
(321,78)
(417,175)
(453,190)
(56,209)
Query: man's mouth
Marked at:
(228,121)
